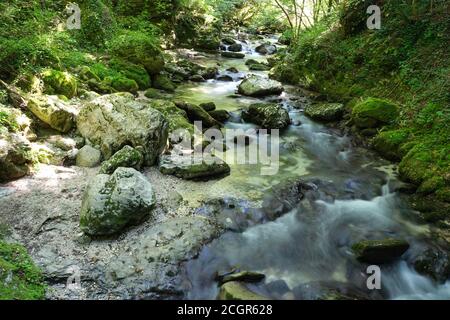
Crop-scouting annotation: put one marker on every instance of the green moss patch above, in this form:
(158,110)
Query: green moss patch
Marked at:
(20,279)
(373,113)
(58,82)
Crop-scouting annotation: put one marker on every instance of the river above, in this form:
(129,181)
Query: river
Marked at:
(311,244)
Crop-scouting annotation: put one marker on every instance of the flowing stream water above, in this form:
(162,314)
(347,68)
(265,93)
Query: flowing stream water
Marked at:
(311,244)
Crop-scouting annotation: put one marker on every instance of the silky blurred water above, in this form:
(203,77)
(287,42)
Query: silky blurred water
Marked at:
(312,242)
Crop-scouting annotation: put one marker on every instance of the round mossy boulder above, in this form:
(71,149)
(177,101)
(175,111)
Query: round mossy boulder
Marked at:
(374,113)
(111,203)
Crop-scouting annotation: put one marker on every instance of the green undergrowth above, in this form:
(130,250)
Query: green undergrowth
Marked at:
(407,62)
(121,52)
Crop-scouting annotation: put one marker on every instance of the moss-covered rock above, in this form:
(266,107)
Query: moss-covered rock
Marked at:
(388,143)
(111,203)
(325,111)
(153,93)
(58,82)
(121,84)
(86,73)
(127,157)
(53,111)
(20,279)
(241,276)
(207,39)
(379,251)
(162,82)
(100,86)
(220,115)
(259,67)
(209,73)
(116,120)
(208,106)
(374,113)
(233,55)
(429,208)
(176,117)
(415,165)
(196,113)
(201,167)
(266,49)
(256,86)
(234,290)
(16,156)
(236,47)
(267,115)
(13,120)
(132,71)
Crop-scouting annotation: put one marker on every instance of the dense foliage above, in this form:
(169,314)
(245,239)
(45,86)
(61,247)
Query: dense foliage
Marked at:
(407,61)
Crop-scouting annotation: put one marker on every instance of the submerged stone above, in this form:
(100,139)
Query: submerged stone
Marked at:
(332,290)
